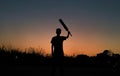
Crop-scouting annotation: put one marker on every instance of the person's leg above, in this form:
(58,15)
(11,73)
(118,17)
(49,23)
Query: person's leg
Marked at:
(61,70)
(61,66)
(54,67)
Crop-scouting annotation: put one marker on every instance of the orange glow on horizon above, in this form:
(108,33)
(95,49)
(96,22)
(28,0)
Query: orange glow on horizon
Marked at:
(73,46)
(83,42)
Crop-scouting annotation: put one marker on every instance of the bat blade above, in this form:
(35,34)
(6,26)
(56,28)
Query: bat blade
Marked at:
(61,21)
(65,27)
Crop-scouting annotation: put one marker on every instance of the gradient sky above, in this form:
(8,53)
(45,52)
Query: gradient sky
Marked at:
(94,24)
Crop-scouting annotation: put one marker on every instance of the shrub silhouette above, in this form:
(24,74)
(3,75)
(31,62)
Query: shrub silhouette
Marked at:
(16,57)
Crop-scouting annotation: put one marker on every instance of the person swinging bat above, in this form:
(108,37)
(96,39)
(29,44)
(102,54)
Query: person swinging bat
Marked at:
(57,48)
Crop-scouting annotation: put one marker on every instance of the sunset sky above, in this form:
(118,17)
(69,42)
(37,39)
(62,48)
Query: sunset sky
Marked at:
(94,24)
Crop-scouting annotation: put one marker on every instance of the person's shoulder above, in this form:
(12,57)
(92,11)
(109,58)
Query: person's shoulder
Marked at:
(54,37)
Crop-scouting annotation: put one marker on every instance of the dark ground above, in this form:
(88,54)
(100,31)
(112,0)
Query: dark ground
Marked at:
(15,63)
(46,71)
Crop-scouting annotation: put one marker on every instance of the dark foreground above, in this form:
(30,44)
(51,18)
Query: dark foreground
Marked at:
(16,63)
(47,70)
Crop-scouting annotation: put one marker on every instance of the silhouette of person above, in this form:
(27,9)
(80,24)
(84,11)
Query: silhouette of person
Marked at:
(57,51)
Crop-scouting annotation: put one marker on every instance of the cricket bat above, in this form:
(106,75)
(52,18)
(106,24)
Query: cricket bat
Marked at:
(65,27)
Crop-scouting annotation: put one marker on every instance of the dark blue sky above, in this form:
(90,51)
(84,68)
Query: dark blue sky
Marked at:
(22,22)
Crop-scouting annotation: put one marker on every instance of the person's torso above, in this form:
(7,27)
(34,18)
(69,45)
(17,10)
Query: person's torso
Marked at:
(58,45)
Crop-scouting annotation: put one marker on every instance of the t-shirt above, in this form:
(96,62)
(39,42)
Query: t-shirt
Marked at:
(57,42)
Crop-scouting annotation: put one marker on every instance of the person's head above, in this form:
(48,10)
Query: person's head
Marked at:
(58,31)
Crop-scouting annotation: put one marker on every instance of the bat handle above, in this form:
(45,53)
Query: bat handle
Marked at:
(70,33)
